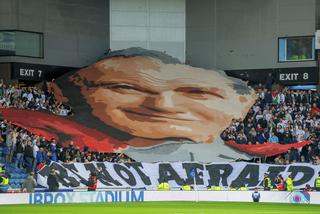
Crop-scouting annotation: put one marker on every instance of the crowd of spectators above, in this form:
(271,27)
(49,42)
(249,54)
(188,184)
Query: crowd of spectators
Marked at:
(32,98)
(281,116)
(31,151)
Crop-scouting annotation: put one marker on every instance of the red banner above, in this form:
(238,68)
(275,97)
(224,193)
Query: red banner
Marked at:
(267,149)
(65,130)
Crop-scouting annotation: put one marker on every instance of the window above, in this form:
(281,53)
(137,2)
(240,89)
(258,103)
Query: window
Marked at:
(21,43)
(296,49)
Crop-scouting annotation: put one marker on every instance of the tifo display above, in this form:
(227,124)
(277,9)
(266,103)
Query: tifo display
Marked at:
(111,125)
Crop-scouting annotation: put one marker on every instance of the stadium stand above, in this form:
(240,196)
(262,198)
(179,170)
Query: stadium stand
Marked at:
(281,116)
(22,152)
(33,98)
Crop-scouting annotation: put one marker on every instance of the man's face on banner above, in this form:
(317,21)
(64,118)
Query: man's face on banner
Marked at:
(152,100)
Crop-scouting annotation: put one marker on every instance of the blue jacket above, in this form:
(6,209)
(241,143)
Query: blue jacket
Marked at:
(273,139)
(41,156)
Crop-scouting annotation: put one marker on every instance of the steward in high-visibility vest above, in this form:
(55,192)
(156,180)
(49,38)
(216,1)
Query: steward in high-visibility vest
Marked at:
(4,181)
(164,186)
(215,188)
(317,183)
(186,188)
(266,183)
(4,184)
(289,183)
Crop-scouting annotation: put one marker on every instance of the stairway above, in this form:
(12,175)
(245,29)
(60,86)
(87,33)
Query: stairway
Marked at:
(17,175)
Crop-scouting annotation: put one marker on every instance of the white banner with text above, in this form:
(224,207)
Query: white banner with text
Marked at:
(149,175)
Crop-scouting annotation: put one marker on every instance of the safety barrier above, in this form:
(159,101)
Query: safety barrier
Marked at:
(142,196)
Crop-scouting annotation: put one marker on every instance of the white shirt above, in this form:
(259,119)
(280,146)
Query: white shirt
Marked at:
(256,108)
(29,96)
(268,116)
(35,150)
(300,135)
(63,112)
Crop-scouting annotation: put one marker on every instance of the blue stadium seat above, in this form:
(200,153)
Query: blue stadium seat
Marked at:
(18,176)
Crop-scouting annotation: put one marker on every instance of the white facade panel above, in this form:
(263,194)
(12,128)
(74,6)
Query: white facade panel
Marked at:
(128,33)
(166,19)
(151,24)
(128,5)
(167,34)
(132,18)
(167,5)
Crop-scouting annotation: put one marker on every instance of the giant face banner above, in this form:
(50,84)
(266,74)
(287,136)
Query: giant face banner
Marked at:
(149,106)
(147,99)
(149,175)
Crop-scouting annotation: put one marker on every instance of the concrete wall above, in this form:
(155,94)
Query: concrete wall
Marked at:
(5,73)
(317,14)
(228,34)
(233,34)
(76,32)
(151,24)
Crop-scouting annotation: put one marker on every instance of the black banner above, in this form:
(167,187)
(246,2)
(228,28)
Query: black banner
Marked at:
(298,76)
(37,72)
(283,76)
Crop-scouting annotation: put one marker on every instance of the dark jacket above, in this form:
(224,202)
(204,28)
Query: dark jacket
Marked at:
(52,183)
(19,147)
(28,152)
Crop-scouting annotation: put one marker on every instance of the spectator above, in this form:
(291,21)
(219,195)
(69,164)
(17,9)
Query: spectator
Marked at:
(29,184)
(261,138)
(293,155)
(20,153)
(273,138)
(307,188)
(28,156)
(241,139)
(11,141)
(52,181)
(314,111)
(41,156)
(92,182)
(53,150)
(41,165)
(279,182)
